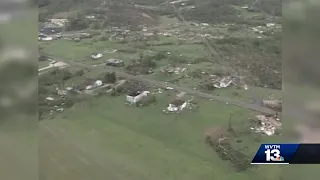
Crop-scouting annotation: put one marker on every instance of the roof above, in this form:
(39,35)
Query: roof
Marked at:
(177,102)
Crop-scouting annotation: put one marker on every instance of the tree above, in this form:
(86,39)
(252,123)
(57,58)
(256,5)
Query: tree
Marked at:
(141,56)
(147,62)
(160,55)
(110,77)
(42,58)
(66,74)
(155,34)
(77,22)
(96,25)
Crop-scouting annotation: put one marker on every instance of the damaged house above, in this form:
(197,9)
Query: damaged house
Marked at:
(135,97)
(223,83)
(177,105)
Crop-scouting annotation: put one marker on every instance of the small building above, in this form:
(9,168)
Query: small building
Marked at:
(177,105)
(96,56)
(115,62)
(135,97)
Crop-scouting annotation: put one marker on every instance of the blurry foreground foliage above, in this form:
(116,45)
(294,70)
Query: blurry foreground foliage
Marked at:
(301,41)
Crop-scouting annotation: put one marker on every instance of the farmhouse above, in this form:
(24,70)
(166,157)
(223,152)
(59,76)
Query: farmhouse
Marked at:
(133,98)
(177,105)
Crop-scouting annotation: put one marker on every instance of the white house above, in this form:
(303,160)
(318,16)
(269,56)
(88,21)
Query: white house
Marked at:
(137,96)
(177,105)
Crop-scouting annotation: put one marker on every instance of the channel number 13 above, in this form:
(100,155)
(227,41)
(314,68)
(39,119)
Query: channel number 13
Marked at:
(272,155)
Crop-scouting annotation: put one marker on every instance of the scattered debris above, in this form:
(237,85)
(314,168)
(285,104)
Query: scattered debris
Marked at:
(135,97)
(168,88)
(115,62)
(58,22)
(181,94)
(110,51)
(267,124)
(61,92)
(270,25)
(173,70)
(90,17)
(96,55)
(43,37)
(177,105)
(50,98)
(178,1)
(223,82)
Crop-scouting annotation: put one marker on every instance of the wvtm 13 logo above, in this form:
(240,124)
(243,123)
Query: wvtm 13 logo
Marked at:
(270,154)
(273,154)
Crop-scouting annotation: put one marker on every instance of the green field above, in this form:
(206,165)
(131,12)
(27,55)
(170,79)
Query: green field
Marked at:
(105,139)
(145,143)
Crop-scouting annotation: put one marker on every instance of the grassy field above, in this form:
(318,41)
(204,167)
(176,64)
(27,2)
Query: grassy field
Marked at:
(142,143)
(96,139)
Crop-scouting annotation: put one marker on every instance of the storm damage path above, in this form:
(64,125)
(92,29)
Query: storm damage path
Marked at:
(226,100)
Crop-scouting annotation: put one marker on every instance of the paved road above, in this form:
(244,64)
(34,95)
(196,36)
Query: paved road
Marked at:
(226,100)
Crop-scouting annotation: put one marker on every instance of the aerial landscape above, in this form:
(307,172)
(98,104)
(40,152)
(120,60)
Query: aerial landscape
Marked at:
(161,90)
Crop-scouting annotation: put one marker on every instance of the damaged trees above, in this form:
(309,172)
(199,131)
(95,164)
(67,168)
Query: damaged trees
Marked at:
(220,139)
